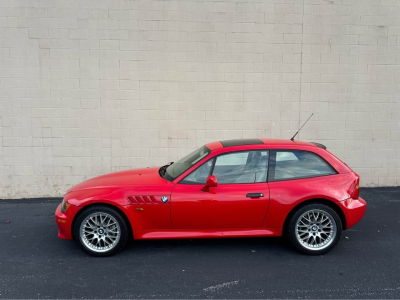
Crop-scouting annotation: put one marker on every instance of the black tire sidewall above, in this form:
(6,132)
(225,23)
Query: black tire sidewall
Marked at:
(291,228)
(102,209)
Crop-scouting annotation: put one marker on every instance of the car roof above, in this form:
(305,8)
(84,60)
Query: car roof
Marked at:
(241,142)
(285,142)
(244,142)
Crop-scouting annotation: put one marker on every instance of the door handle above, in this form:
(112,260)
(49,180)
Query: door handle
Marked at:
(254,195)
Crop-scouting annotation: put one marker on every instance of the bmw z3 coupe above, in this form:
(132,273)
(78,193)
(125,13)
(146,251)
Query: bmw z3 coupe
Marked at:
(233,188)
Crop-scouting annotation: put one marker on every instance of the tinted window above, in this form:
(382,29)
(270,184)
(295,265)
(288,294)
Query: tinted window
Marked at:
(298,164)
(241,167)
(179,167)
(199,176)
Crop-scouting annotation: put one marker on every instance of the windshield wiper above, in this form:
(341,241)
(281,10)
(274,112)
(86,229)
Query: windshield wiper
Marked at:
(163,169)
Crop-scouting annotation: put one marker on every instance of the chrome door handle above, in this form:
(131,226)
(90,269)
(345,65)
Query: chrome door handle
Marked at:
(254,195)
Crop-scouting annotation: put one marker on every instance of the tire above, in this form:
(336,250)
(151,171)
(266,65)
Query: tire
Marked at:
(314,229)
(101,230)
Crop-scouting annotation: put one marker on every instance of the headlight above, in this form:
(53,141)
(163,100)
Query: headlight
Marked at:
(64,206)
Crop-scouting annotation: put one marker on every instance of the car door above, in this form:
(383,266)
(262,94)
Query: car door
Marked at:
(240,200)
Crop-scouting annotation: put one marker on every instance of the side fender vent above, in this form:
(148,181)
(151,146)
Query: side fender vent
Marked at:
(143,200)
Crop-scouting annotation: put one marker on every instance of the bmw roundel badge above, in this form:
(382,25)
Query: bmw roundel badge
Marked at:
(164,199)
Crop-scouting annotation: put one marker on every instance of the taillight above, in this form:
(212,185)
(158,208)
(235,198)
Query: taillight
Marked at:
(356,191)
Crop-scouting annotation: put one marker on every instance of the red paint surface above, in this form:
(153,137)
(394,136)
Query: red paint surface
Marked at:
(225,206)
(223,211)
(207,233)
(286,195)
(64,221)
(354,210)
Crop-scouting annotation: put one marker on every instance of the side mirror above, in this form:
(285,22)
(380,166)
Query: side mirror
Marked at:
(211,182)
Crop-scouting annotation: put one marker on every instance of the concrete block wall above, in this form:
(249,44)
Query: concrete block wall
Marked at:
(93,86)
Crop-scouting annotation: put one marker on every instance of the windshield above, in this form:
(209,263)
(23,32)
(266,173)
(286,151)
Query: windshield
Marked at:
(182,165)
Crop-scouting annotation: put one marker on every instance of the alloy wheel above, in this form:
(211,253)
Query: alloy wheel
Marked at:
(316,229)
(100,232)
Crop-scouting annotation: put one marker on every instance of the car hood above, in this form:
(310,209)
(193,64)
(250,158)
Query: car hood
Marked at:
(145,176)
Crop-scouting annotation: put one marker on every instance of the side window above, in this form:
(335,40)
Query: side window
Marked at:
(242,167)
(199,176)
(298,164)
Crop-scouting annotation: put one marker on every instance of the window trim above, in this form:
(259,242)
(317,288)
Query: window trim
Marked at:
(272,165)
(227,153)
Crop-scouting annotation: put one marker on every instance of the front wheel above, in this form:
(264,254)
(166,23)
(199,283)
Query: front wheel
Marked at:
(101,230)
(314,229)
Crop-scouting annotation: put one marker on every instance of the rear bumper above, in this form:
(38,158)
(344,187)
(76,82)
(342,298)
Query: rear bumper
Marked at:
(354,210)
(64,221)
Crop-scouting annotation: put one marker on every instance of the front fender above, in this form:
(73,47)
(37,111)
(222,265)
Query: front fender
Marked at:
(86,197)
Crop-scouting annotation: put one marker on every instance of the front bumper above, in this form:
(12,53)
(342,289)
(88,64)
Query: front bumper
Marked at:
(354,210)
(64,221)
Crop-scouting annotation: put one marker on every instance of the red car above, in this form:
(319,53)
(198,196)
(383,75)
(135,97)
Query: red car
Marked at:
(234,188)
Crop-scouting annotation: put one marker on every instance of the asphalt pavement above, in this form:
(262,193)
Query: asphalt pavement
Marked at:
(34,263)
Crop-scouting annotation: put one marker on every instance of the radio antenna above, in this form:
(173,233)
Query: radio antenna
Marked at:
(301,127)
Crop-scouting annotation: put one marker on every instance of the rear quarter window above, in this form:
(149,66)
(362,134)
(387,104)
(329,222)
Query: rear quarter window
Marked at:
(287,164)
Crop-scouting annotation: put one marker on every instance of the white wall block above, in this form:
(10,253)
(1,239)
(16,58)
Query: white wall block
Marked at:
(89,87)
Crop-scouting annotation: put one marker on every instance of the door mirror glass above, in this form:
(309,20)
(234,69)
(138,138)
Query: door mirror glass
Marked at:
(211,182)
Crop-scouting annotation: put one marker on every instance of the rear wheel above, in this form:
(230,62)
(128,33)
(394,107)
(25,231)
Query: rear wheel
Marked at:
(314,229)
(101,231)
